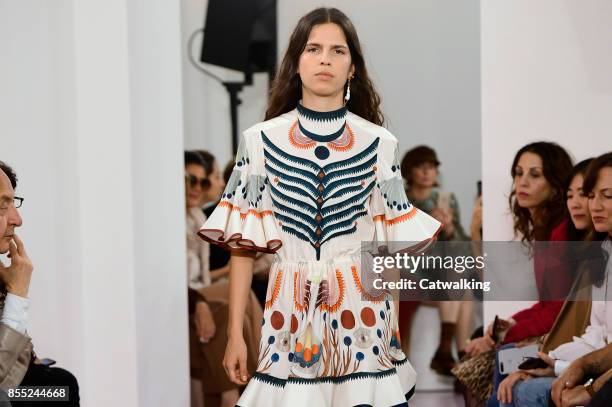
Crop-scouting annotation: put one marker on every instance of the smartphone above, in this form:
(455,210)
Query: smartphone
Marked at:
(479,188)
(510,359)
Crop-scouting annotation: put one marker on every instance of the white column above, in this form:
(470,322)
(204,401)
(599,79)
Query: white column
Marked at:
(91,119)
(158,203)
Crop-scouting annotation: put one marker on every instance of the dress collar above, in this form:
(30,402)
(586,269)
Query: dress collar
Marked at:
(321,126)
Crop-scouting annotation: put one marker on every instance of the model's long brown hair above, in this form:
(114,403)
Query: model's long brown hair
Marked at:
(286,89)
(556,167)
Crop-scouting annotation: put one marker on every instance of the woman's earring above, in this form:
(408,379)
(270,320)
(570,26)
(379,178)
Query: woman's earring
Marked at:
(348,91)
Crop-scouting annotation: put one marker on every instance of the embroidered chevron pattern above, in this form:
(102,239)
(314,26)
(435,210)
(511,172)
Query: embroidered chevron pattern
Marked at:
(317,204)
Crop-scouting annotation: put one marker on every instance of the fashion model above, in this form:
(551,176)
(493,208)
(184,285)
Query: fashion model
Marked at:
(312,182)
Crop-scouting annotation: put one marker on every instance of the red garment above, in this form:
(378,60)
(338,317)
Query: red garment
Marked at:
(539,318)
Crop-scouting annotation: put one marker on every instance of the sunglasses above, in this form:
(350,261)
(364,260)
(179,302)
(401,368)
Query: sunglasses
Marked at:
(193,181)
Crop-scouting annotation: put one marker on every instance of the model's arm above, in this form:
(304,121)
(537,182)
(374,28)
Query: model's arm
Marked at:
(241,273)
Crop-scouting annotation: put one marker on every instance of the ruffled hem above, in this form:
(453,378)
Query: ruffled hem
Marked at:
(232,229)
(237,243)
(411,232)
(389,388)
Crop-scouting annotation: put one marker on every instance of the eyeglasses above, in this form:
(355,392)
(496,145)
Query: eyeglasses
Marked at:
(193,181)
(17,202)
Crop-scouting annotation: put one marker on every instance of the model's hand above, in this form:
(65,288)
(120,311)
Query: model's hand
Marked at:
(578,396)
(568,380)
(235,360)
(479,345)
(17,276)
(504,391)
(204,322)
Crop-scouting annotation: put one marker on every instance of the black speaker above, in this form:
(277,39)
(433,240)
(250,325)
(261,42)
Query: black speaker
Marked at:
(240,35)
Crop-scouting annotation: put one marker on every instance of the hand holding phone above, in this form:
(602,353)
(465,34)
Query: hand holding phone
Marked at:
(533,363)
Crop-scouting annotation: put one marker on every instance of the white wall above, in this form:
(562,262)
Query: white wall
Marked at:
(424,60)
(545,76)
(91,119)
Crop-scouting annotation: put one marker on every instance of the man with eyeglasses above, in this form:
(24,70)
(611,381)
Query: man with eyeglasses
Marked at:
(15,345)
(19,365)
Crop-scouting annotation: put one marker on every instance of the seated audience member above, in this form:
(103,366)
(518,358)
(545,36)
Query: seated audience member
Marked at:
(539,173)
(215,183)
(577,387)
(19,366)
(419,169)
(209,298)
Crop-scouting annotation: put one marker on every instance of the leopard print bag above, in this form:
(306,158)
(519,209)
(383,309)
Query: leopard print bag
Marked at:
(476,374)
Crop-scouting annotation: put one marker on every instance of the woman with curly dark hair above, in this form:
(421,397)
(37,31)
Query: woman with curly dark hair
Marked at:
(539,171)
(311,183)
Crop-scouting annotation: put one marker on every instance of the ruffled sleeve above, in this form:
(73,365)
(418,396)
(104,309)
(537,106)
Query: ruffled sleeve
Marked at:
(243,219)
(399,225)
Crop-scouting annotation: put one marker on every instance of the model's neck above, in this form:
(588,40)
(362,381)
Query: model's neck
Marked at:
(321,103)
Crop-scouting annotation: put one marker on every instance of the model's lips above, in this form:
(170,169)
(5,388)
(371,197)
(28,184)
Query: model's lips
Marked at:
(523,194)
(324,74)
(599,219)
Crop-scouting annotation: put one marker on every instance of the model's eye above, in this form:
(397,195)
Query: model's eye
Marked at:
(311,49)
(340,51)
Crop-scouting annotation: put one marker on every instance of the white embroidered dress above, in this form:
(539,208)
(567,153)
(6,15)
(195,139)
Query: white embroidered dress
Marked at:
(311,187)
